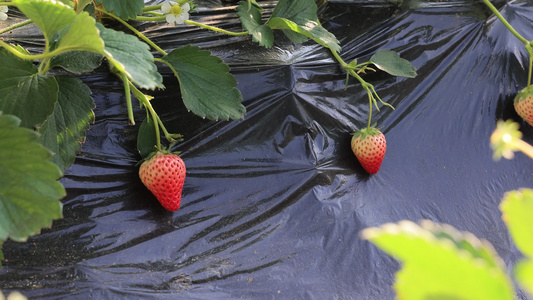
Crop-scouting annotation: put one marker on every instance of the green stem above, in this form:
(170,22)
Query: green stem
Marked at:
(150,19)
(144,100)
(15,26)
(157,14)
(44,66)
(524,147)
(527,43)
(502,19)
(156,127)
(127,92)
(372,94)
(369,110)
(138,33)
(27,56)
(344,65)
(7,3)
(171,137)
(152,7)
(361,66)
(530,51)
(216,28)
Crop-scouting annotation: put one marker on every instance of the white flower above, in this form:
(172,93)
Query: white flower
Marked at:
(176,14)
(3,12)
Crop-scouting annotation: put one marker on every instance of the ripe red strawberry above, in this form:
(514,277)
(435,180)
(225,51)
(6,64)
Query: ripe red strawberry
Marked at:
(164,174)
(369,147)
(523,104)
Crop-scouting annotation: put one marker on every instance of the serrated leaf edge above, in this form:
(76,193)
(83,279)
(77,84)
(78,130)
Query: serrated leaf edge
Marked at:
(423,230)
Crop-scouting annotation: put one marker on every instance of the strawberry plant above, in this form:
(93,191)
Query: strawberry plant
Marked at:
(45,113)
(523,102)
(393,64)
(441,262)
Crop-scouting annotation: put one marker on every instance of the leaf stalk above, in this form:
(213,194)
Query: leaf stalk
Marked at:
(137,32)
(15,26)
(213,28)
(371,91)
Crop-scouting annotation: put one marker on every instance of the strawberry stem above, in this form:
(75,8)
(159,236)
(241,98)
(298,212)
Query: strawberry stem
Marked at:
(144,101)
(171,137)
(524,147)
(371,91)
(527,43)
(369,110)
(137,32)
(127,92)
(530,50)
(15,26)
(502,19)
(190,22)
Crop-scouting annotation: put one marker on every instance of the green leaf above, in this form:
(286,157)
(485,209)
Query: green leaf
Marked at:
(49,16)
(392,63)
(129,55)
(23,92)
(249,13)
(64,131)
(81,35)
(66,2)
(125,9)
(517,209)
(440,262)
(146,138)
(294,36)
(298,20)
(207,87)
(77,62)
(524,274)
(29,186)
(299,11)
(310,29)
(82,4)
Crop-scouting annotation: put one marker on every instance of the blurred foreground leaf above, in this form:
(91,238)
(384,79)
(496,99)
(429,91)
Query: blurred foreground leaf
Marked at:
(524,275)
(440,262)
(517,209)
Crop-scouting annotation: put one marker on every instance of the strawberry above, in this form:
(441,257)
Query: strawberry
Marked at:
(163,174)
(523,104)
(369,147)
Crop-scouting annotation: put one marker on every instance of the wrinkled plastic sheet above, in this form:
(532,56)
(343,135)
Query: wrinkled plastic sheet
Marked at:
(273,204)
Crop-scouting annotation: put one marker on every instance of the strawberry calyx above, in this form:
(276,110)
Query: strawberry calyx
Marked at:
(155,152)
(524,93)
(368,131)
